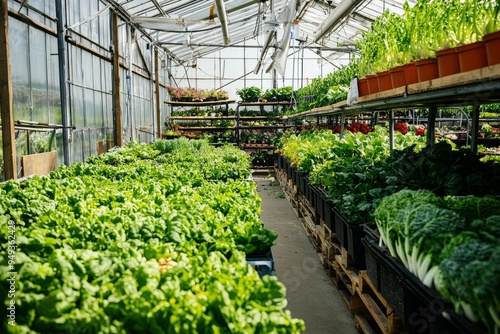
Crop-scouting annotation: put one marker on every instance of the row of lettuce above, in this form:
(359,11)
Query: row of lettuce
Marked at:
(435,208)
(145,239)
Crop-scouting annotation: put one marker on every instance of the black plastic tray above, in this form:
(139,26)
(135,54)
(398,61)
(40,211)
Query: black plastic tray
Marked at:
(263,263)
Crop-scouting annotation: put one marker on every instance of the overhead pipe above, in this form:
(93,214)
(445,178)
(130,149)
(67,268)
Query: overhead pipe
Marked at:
(341,11)
(221,13)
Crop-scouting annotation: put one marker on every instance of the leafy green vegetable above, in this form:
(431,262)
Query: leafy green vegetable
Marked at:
(469,278)
(144,239)
(472,207)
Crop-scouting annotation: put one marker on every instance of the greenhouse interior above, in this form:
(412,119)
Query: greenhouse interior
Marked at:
(250,166)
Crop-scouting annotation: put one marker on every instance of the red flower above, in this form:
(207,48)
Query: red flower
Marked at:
(401,127)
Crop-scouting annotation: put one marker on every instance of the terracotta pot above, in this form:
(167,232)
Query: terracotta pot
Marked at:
(472,56)
(427,69)
(372,84)
(411,75)
(492,45)
(363,87)
(384,81)
(397,77)
(448,62)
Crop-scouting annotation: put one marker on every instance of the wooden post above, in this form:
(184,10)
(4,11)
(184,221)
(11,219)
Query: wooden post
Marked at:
(157,95)
(6,106)
(117,98)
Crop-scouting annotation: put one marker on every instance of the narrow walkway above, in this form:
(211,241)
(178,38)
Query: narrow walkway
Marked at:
(310,292)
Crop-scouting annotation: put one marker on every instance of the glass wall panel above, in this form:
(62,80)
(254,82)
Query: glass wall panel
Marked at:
(21,90)
(54,99)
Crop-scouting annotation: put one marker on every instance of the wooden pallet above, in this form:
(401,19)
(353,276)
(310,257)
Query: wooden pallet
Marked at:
(328,245)
(387,322)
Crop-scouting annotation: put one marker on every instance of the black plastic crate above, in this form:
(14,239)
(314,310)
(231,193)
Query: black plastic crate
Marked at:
(318,202)
(323,207)
(355,246)
(392,288)
(293,175)
(435,314)
(329,215)
(287,167)
(301,182)
(313,196)
(279,161)
(341,228)
(370,241)
(309,192)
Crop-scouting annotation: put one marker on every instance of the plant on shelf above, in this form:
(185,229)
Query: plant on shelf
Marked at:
(188,94)
(249,94)
(211,95)
(174,92)
(284,93)
(270,95)
(222,95)
(172,128)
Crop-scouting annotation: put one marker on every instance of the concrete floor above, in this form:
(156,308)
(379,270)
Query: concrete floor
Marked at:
(310,292)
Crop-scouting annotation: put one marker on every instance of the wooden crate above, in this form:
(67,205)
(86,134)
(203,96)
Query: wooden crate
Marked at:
(39,164)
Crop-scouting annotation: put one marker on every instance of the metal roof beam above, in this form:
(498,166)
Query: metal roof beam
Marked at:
(337,15)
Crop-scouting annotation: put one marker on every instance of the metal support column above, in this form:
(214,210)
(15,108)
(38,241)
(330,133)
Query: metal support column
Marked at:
(157,95)
(431,126)
(475,128)
(391,130)
(62,83)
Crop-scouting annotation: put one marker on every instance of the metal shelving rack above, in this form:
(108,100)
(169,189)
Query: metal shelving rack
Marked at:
(474,88)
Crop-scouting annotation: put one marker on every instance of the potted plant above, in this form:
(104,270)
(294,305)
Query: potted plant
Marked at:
(249,94)
(188,94)
(285,93)
(222,95)
(212,95)
(270,95)
(174,92)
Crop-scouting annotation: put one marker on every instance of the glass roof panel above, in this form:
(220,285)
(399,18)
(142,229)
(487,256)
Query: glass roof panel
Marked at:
(188,29)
